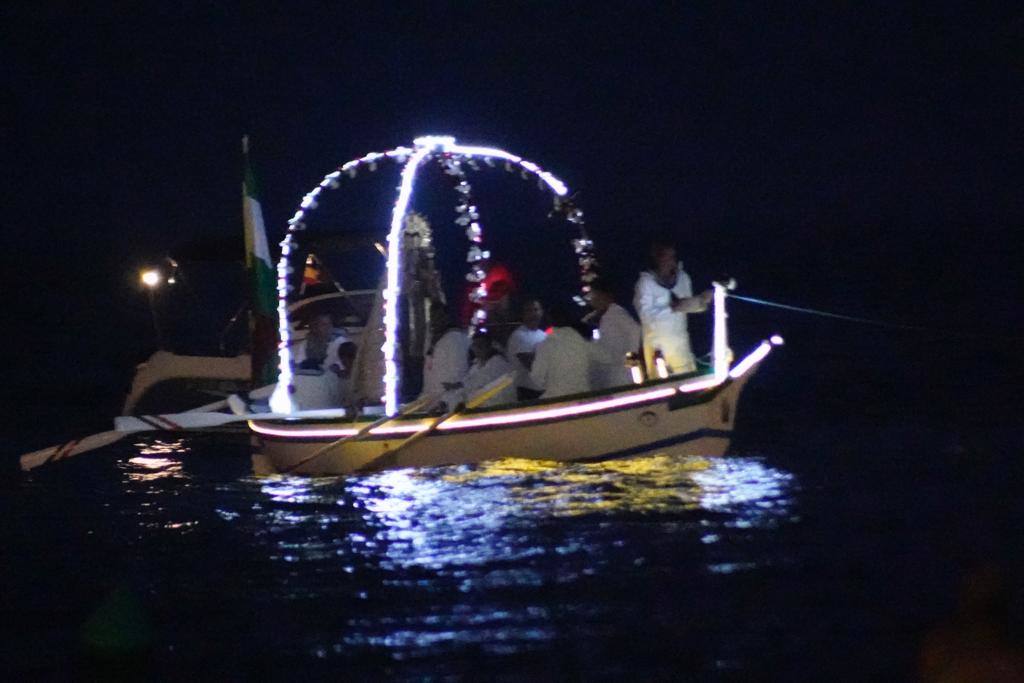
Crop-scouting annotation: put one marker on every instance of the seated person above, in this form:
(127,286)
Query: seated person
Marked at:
(316,389)
(564,360)
(447,360)
(521,346)
(617,335)
(343,369)
(315,348)
(488,365)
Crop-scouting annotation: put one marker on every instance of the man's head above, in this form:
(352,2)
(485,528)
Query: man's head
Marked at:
(561,315)
(600,296)
(533,313)
(663,255)
(482,346)
(347,354)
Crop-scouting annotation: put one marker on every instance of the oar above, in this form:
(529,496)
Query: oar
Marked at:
(125,425)
(130,424)
(408,409)
(389,458)
(175,423)
(66,450)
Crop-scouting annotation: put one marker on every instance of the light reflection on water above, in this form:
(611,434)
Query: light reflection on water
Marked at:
(658,568)
(158,462)
(438,568)
(156,459)
(510,525)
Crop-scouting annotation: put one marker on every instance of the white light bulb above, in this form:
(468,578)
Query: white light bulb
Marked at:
(151,277)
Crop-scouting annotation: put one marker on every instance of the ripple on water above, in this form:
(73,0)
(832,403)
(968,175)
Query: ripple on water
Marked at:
(500,558)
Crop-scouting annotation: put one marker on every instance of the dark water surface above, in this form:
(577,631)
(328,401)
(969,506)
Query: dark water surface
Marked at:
(821,548)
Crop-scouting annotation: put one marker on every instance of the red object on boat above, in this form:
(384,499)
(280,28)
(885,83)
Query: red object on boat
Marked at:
(500,283)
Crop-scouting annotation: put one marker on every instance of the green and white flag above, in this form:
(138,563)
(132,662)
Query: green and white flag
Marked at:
(263,320)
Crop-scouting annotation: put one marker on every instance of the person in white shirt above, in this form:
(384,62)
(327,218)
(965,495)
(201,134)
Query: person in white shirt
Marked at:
(447,360)
(521,346)
(564,360)
(488,365)
(345,396)
(321,343)
(314,387)
(617,335)
(663,298)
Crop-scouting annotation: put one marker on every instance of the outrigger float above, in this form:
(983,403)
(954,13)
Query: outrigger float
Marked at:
(691,414)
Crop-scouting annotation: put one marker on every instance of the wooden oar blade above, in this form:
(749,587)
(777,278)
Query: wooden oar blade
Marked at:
(127,424)
(66,450)
(124,426)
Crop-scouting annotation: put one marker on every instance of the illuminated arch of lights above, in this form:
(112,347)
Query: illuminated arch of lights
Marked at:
(453,157)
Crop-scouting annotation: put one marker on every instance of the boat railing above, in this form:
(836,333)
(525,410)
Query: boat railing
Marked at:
(721,354)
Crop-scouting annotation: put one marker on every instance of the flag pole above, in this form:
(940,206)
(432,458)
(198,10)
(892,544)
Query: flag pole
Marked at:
(254,371)
(263,297)
(251,317)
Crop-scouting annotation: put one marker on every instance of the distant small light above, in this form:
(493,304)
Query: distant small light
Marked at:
(150,278)
(776,340)
(171,280)
(381,249)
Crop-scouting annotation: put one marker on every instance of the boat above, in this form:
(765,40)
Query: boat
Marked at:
(691,414)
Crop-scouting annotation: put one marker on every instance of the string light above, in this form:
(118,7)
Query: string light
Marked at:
(281,400)
(719,341)
(468,217)
(425,147)
(533,414)
(394,272)
(755,357)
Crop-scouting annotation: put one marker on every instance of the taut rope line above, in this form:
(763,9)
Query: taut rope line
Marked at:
(871,321)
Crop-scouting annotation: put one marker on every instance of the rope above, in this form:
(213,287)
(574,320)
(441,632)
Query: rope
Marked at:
(870,321)
(827,314)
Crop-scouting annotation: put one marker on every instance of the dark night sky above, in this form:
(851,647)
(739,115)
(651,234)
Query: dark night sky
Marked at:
(866,159)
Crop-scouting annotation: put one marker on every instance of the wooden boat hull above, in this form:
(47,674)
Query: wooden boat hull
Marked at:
(628,422)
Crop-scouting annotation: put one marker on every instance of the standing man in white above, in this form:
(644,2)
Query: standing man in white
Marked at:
(663,298)
(617,335)
(521,346)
